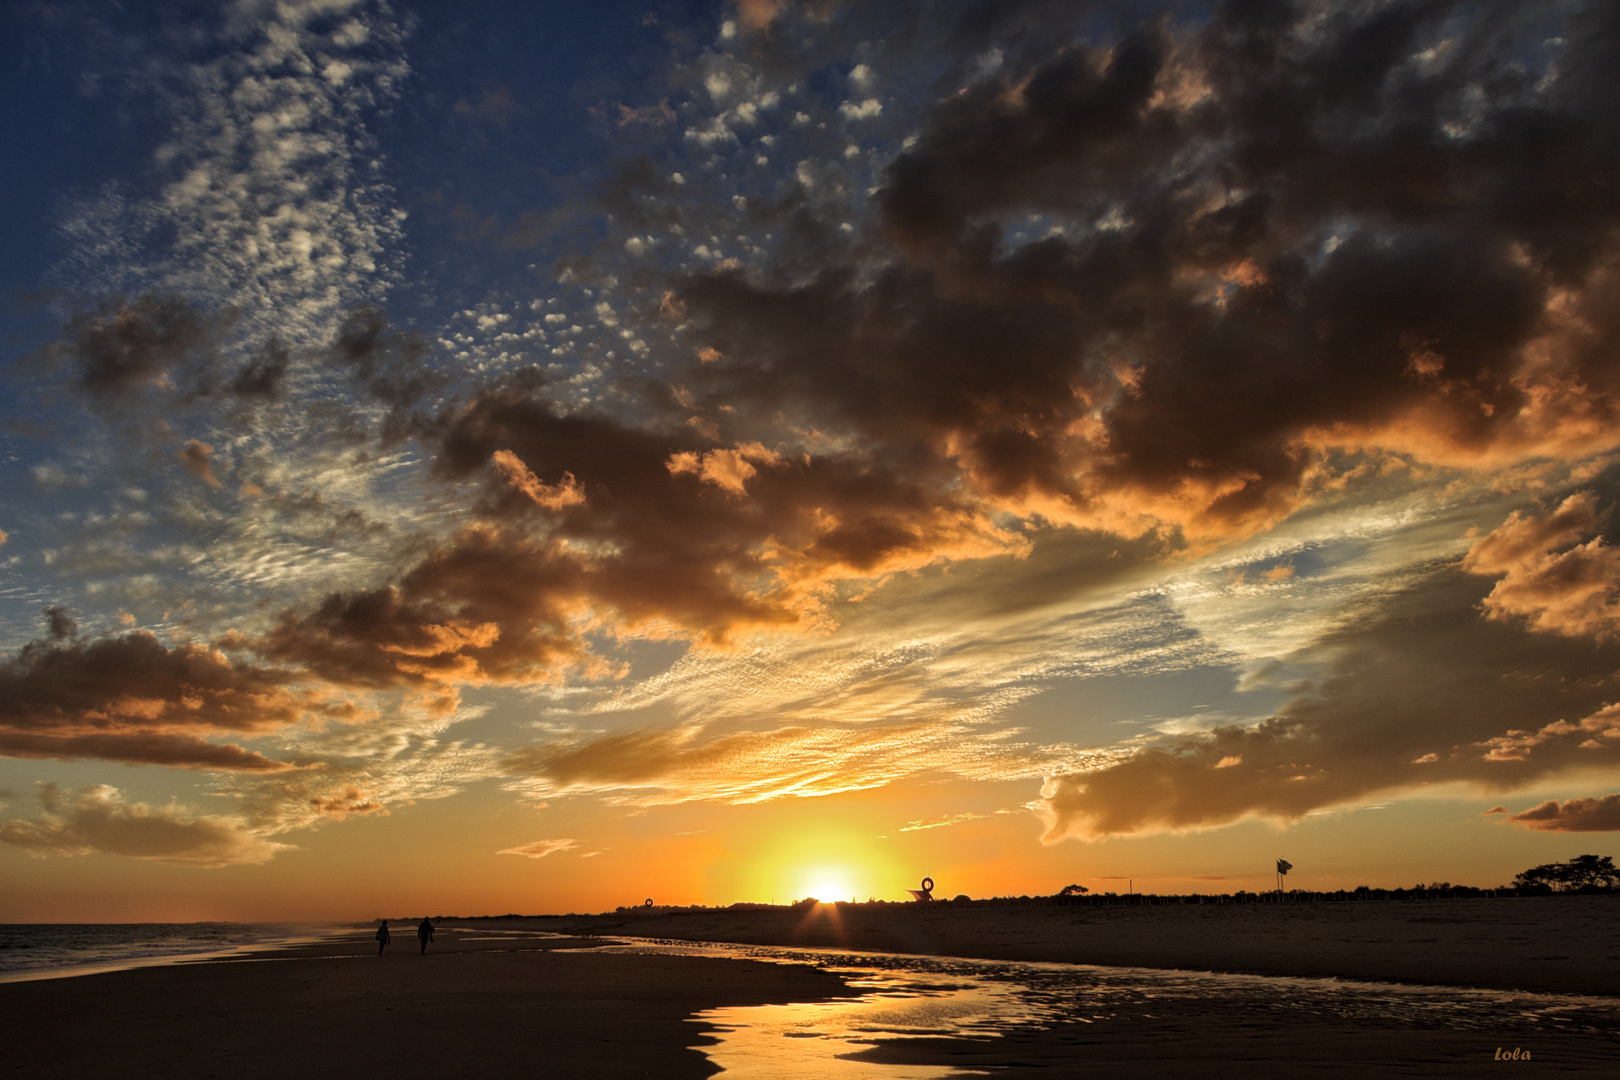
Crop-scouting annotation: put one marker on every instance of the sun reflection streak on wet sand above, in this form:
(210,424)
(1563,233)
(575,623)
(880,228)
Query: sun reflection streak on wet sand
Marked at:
(811,1041)
(944,999)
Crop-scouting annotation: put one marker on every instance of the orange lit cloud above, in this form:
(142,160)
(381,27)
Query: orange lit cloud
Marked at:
(1573,815)
(1574,591)
(757,14)
(1197,347)
(490,607)
(97,819)
(1423,691)
(197,459)
(132,699)
(503,600)
(1517,745)
(564,493)
(727,469)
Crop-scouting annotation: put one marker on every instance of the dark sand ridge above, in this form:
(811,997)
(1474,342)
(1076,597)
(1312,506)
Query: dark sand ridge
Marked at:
(1556,944)
(511,1007)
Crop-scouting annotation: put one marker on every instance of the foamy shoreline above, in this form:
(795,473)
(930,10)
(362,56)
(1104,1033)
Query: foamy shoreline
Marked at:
(33,951)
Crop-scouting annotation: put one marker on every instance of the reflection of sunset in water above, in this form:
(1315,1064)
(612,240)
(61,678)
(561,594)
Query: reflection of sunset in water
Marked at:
(787,1042)
(915,1013)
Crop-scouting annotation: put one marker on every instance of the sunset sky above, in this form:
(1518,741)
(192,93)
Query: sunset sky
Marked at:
(507,457)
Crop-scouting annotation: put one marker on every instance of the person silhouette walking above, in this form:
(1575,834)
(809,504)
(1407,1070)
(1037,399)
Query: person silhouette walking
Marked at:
(383,937)
(424,933)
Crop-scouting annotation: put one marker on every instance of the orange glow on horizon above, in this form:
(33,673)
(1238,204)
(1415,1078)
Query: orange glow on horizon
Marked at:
(829,884)
(827,862)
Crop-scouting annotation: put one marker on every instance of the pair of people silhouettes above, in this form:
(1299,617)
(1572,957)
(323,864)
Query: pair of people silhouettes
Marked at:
(424,934)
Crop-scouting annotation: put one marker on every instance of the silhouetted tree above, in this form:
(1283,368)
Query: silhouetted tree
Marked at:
(1583,871)
(1073,890)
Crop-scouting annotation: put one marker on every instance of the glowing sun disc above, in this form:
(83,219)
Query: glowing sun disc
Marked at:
(827,890)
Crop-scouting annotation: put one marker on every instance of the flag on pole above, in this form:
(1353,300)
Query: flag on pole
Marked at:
(1283,866)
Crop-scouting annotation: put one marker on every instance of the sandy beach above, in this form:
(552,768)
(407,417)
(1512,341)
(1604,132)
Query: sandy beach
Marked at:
(468,1008)
(1559,945)
(498,997)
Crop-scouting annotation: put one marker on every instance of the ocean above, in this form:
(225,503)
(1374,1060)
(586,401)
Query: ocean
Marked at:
(51,950)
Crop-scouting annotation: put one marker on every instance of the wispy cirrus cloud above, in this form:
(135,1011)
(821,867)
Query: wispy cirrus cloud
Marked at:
(539,849)
(939,823)
(662,766)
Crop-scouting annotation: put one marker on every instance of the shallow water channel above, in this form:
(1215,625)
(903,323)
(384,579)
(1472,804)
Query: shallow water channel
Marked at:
(934,1001)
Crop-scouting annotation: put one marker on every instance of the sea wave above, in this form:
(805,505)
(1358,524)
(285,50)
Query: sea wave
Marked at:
(44,950)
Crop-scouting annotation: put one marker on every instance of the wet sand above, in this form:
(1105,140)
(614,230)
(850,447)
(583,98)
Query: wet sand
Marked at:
(1551,945)
(1559,945)
(469,1008)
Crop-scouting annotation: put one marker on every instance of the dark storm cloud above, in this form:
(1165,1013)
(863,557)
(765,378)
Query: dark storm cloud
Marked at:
(264,374)
(124,345)
(1161,281)
(387,365)
(135,359)
(1421,692)
(133,699)
(164,347)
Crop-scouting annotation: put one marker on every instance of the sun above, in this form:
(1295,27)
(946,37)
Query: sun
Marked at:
(828,886)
